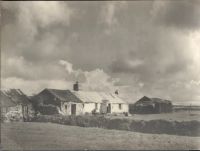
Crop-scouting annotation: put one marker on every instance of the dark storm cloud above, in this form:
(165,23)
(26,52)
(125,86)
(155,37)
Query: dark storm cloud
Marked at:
(122,44)
(179,14)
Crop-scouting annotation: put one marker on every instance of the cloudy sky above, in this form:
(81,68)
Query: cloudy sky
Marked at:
(141,48)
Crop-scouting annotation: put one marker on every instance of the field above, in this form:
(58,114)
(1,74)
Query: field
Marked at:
(49,136)
(174,116)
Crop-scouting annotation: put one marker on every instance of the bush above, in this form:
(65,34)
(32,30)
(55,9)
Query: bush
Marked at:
(190,128)
(48,109)
(13,116)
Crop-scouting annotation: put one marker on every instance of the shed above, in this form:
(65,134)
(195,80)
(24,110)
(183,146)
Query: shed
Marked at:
(147,105)
(14,100)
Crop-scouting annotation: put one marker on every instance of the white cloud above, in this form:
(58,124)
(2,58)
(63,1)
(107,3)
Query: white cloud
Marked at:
(67,65)
(35,35)
(99,80)
(96,79)
(108,14)
(31,16)
(34,86)
(21,68)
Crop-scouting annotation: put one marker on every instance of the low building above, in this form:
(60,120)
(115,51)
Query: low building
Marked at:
(148,105)
(16,104)
(76,102)
(101,102)
(53,101)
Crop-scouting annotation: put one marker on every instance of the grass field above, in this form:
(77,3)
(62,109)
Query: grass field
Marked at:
(174,116)
(39,136)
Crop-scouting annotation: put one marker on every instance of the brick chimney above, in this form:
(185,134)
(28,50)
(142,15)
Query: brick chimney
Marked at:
(116,92)
(75,86)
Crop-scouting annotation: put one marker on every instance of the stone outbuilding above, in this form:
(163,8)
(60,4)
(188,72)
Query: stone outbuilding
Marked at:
(15,104)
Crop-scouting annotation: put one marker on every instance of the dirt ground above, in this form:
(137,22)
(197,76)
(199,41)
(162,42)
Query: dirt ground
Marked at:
(48,136)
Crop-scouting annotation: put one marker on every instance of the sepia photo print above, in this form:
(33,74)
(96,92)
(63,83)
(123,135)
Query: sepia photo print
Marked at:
(100,75)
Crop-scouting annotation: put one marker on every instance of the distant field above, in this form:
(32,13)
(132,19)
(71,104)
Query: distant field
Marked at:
(39,136)
(174,116)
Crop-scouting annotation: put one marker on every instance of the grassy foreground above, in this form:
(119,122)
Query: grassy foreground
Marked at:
(48,136)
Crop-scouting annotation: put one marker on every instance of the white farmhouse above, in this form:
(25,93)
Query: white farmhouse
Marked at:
(78,102)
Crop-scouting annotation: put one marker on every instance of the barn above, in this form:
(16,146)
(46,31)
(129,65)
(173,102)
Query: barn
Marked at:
(16,104)
(148,105)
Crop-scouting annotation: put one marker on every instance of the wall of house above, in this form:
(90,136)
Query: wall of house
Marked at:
(89,107)
(28,111)
(17,108)
(163,108)
(12,113)
(31,110)
(83,108)
(21,111)
(116,109)
(143,108)
(66,108)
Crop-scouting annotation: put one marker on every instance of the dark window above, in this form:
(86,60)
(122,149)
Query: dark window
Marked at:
(96,105)
(120,106)
(65,107)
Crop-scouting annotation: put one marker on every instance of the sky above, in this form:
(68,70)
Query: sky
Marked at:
(149,48)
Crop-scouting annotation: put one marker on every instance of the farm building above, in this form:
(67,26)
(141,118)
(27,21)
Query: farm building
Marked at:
(76,102)
(53,101)
(148,105)
(15,104)
(101,102)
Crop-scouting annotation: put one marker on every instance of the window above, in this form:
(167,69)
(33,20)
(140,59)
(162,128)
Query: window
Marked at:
(120,106)
(65,107)
(96,105)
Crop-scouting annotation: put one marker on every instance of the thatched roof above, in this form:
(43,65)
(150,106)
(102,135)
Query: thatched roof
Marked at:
(59,95)
(147,100)
(12,97)
(97,97)
(78,96)
(6,101)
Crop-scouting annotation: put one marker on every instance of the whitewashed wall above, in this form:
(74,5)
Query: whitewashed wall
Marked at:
(67,111)
(83,108)
(89,107)
(12,113)
(115,108)
(17,108)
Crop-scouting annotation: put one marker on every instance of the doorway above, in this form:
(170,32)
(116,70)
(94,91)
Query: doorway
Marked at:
(73,109)
(109,108)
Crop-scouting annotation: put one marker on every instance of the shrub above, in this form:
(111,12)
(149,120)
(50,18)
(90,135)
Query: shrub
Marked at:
(190,128)
(48,109)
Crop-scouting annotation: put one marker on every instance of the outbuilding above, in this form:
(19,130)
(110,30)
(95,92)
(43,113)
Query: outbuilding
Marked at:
(148,105)
(54,101)
(14,103)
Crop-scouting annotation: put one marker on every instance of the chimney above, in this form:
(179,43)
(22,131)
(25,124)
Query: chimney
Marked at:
(116,92)
(75,86)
